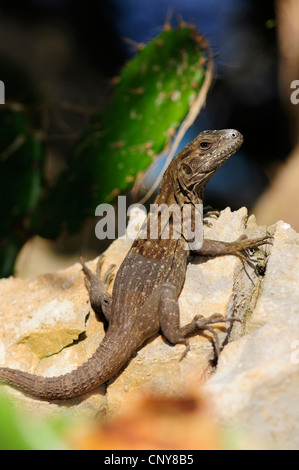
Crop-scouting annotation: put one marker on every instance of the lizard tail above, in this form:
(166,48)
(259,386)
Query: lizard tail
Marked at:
(93,373)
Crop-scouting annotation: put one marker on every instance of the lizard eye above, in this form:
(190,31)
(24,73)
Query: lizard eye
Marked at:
(186,169)
(204,145)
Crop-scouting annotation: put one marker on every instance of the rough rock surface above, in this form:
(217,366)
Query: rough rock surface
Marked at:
(48,328)
(256,384)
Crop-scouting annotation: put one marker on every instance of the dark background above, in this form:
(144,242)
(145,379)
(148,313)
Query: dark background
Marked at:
(72,48)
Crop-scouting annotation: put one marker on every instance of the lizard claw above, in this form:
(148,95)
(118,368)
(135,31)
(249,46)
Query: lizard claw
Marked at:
(243,245)
(94,281)
(109,275)
(85,269)
(203,323)
(210,213)
(100,264)
(187,349)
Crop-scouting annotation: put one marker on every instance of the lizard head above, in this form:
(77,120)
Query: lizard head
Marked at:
(199,160)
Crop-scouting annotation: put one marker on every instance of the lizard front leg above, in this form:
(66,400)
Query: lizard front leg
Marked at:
(237,248)
(99,299)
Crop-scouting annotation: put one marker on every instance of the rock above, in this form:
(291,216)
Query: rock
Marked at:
(42,321)
(255,387)
(48,328)
(206,291)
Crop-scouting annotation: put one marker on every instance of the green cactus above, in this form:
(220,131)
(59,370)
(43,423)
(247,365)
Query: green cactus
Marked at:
(21,180)
(152,97)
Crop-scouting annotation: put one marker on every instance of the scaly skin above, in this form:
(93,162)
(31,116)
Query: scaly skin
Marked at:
(150,279)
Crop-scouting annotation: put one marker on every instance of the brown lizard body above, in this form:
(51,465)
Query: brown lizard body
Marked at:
(149,281)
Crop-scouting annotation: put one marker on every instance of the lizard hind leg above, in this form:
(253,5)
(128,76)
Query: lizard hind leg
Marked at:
(169,318)
(97,287)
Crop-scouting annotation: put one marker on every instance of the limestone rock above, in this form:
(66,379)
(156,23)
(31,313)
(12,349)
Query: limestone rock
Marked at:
(49,328)
(208,289)
(255,387)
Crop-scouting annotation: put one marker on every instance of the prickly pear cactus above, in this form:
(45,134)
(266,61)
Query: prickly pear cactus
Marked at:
(21,179)
(153,95)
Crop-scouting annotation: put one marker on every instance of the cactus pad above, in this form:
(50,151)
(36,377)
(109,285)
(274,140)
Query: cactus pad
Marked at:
(152,96)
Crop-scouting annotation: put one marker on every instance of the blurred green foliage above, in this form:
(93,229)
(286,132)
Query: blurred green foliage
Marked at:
(22,156)
(152,96)
(18,432)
